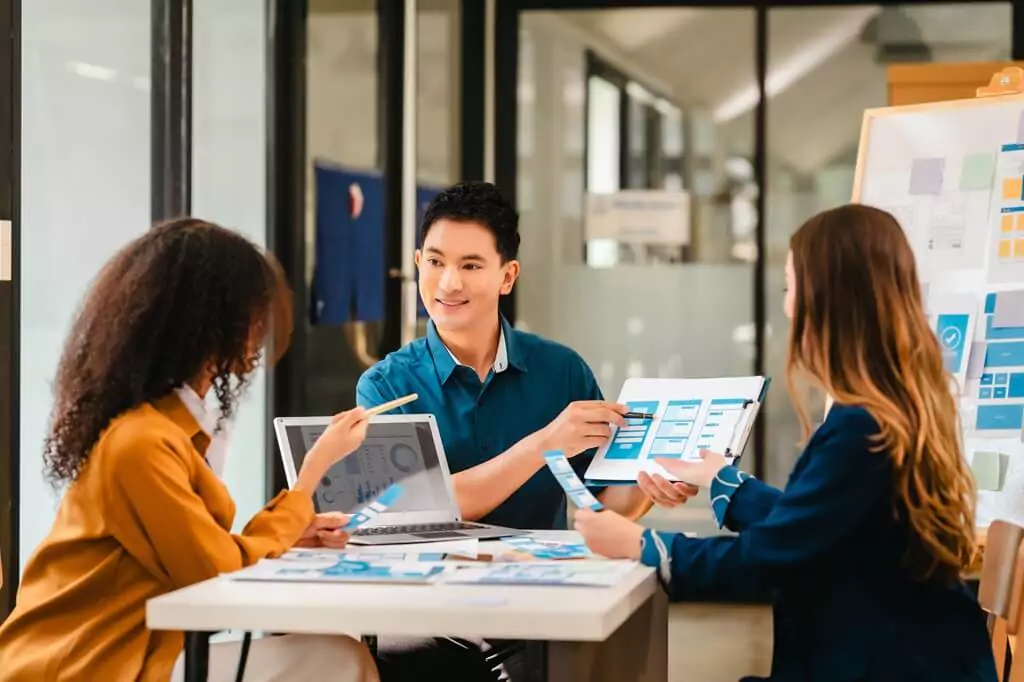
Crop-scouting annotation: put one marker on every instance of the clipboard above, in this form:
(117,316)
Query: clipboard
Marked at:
(688,415)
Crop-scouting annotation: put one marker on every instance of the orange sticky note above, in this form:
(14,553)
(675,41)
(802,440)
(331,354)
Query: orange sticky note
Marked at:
(1004,248)
(1020,222)
(1018,248)
(1006,225)
(1012,188)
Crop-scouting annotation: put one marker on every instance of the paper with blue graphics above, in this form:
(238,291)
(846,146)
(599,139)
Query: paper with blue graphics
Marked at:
(993,397)
(570,482)
(953,318)
(597,573)
(538,548)
(687,416)
(370,511)
(342,570)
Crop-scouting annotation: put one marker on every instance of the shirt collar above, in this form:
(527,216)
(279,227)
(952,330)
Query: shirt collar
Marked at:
(173,407)
(197,407)
(445,361)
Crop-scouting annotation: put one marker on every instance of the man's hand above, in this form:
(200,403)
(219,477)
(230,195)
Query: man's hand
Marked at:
(663,492)
(326,531)
(581,426)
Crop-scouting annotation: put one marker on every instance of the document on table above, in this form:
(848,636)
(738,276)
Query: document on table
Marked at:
(343,569)
(521,547)
(469,548)
(686,416)
(602,573)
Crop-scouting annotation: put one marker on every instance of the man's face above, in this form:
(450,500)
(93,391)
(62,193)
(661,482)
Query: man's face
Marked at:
(461,274)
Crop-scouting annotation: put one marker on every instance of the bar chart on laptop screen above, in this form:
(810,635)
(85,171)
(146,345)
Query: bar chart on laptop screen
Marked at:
(389,455)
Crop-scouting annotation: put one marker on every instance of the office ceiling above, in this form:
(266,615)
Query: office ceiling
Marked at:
(826,65)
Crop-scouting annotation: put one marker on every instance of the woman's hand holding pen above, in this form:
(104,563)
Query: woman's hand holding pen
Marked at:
(344,435)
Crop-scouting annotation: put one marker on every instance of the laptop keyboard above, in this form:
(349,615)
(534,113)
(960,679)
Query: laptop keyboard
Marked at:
(415,528)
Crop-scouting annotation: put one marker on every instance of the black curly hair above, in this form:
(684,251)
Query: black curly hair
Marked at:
(477,202)
(185,298)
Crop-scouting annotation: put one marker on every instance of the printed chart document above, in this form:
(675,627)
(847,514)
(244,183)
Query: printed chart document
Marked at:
(344,570)
(686,416)
(577,573)
(531,548)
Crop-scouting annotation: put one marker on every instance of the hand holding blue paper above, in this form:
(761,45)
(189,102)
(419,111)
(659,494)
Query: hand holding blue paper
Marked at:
(367,513)
(570,482)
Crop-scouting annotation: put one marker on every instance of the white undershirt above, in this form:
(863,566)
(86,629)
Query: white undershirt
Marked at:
(206,415)
(500,357)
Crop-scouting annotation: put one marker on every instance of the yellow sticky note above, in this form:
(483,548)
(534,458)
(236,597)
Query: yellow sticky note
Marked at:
(1006,224)
(1018,248)
(1012,188)
(1004,248)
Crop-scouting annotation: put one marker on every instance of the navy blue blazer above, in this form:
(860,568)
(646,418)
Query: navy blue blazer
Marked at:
(828,554)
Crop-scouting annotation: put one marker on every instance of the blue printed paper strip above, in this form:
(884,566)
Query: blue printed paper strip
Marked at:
(570,482)
(381,504)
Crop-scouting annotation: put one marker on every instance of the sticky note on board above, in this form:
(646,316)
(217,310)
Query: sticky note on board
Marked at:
(989,469)
(976,360)
(978,172)
(1009,309)
(570,482)
(379,505)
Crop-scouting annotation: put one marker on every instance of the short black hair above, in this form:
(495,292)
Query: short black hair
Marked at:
(477,202)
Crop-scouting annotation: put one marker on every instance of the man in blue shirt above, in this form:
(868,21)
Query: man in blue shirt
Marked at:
(501,397)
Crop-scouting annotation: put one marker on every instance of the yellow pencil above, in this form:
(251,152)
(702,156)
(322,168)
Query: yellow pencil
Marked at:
(392,404)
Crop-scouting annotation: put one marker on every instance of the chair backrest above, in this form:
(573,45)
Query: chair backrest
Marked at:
(1001,589)
(999,571)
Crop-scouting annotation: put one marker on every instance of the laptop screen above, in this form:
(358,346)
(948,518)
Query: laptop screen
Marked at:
(394,452)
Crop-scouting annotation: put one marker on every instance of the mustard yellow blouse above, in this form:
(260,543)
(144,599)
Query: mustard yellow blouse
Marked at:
(146,516)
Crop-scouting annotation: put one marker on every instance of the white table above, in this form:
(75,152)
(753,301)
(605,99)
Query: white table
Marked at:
(593,634)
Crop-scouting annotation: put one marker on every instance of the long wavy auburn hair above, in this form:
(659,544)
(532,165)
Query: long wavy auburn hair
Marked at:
(860,331)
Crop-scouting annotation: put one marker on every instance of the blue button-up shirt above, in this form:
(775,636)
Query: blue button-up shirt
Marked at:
(530,384)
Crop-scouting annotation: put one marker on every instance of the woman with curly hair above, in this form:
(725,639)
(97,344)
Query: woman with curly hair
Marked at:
(185,309)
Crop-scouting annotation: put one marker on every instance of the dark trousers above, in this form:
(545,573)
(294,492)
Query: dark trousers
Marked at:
(439,658)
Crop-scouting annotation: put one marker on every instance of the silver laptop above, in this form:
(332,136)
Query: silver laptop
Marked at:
(400,448)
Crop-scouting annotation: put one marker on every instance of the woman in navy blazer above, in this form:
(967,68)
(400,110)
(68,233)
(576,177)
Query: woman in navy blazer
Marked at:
(862,553)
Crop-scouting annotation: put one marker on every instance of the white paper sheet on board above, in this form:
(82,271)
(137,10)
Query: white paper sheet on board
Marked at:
(1006,218)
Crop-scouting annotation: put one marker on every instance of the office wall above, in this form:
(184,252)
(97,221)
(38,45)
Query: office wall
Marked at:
(661,320)
(85,191)
(229,188)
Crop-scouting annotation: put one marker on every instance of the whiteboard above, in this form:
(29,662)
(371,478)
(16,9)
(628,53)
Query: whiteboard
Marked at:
(935,167)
